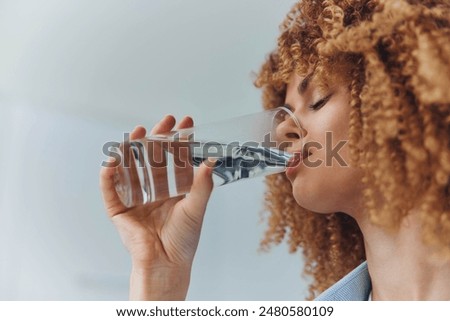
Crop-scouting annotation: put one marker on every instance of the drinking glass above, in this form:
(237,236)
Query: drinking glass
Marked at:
(161,166)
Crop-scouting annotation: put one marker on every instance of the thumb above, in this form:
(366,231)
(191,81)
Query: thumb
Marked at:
(198,197)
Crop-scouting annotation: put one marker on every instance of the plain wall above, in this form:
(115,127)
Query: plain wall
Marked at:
(76,74)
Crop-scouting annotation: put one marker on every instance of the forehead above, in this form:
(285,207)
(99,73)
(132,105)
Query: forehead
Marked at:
(301,85)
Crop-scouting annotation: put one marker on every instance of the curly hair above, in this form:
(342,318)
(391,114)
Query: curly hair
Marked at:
(394,57)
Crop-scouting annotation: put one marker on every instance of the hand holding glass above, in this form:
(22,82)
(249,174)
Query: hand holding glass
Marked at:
(162,166)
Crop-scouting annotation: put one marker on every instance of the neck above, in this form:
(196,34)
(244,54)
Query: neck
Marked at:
(401,267)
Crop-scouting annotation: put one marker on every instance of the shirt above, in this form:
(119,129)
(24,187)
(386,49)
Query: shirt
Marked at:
(355,286)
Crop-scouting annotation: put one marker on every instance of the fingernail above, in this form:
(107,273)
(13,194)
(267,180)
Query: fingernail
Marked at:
(211,161)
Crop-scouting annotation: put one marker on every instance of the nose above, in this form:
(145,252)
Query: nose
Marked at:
(290,134)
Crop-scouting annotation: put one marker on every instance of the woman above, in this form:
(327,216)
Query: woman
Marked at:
(374,224)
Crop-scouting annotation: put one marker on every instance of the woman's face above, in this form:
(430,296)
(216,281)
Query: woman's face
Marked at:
(324,182)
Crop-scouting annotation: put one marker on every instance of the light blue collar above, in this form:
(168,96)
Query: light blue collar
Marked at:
(355,286)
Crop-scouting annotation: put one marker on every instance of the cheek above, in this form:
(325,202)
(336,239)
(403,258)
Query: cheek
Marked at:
(332,186)
(329,187)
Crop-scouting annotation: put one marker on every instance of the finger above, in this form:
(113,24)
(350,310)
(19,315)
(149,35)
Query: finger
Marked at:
(165,125)
(138,132)
(183,167)
(131,174)
(111,200)
(184,171)
(186,122)
(157,156)
(196,201)
(158,159)
(133,167)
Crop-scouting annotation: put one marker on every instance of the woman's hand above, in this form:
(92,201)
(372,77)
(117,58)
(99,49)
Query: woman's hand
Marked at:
(162,236)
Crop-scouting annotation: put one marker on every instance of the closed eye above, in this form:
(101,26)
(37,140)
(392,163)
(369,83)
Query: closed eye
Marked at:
(320,103)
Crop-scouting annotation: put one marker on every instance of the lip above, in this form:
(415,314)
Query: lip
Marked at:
(293,163)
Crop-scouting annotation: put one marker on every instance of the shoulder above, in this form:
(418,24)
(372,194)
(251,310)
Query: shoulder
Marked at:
(355,286)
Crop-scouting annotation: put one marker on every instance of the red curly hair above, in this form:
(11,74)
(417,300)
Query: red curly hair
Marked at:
(394,57)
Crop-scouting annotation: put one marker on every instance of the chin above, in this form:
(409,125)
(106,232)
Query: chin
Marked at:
(310,199)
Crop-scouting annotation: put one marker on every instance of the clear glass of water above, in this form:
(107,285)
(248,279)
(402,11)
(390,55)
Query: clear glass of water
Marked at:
(161,166)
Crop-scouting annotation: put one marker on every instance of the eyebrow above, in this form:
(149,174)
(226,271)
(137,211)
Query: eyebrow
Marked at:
(303,86)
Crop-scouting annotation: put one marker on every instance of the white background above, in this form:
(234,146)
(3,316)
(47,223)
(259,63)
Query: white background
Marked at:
(75,74)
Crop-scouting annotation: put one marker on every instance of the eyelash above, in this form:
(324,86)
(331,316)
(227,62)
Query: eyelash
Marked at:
(320,103)
(315,106)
